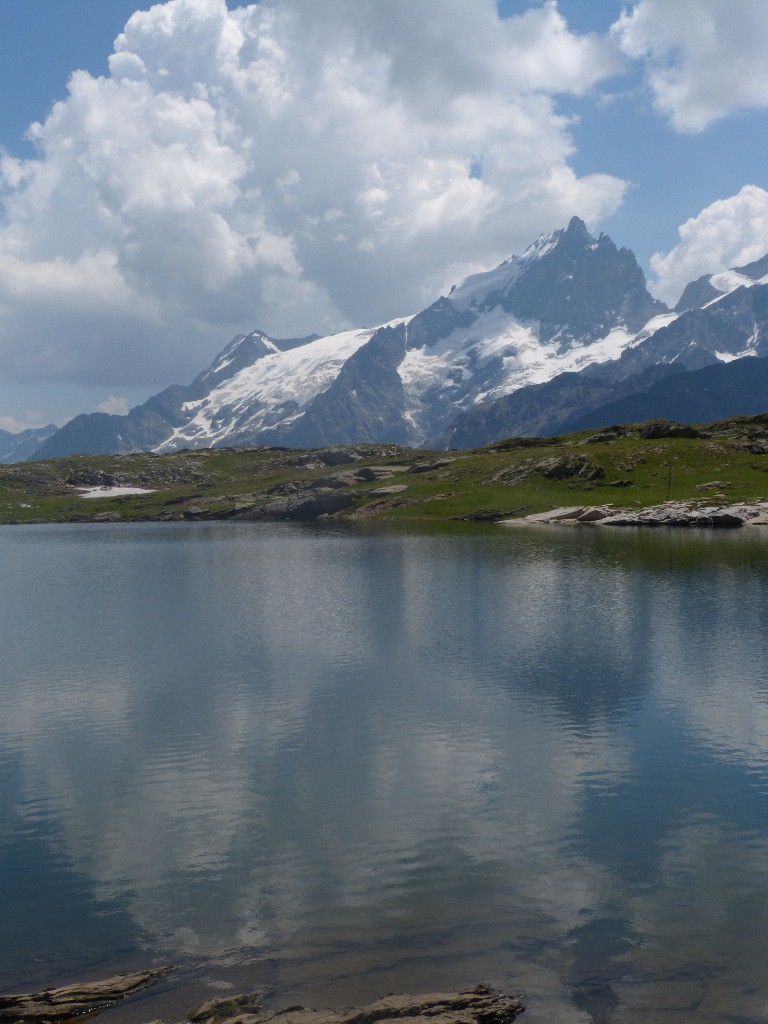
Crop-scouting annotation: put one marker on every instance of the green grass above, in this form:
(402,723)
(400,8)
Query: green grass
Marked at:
(471,487)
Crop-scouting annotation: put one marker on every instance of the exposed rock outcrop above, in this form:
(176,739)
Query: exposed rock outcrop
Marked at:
(671,513)
(320,501)
(59,1004)
(480,1005)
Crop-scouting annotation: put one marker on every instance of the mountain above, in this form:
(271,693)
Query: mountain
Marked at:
(18,447)
(711,286)
(716,392)
(579,401)
(566,330)
(730,327)
(570,301)
(543,410)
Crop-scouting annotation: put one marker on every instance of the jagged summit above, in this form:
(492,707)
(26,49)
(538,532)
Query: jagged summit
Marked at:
(576,286)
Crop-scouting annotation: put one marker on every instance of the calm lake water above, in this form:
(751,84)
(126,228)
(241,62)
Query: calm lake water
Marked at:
(337,763)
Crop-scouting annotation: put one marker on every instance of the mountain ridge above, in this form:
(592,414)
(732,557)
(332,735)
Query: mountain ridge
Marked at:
(570,304)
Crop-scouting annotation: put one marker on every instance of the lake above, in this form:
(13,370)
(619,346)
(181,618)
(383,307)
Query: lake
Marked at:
(334,763)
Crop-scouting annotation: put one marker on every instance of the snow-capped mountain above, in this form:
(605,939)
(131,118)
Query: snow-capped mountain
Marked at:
(569,301)
(570,304)
(711,287)
(730,329)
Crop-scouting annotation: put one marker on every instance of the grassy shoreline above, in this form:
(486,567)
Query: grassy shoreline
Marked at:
(632,467)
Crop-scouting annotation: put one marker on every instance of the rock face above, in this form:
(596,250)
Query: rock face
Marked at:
(579,401)
(480,1005)
(735,325)
(58,1004)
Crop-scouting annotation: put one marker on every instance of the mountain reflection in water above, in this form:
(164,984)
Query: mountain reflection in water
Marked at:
(338,763)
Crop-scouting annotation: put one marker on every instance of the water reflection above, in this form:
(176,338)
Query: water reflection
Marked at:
(375,761)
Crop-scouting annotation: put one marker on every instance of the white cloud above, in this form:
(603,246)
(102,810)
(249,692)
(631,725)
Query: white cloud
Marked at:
(729,233)
(285,165)
(704,58)
(114,405)
(14,425)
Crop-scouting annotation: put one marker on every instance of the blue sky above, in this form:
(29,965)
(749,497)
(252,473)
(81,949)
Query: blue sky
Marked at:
(303,166)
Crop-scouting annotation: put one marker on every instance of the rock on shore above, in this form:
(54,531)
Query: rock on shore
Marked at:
(480,1005)
(671,513)
(59,1004)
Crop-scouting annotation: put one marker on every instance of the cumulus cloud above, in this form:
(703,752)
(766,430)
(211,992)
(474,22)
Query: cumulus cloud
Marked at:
(728,233)
(285,165)
(15,425)
(704,58)
(114,405)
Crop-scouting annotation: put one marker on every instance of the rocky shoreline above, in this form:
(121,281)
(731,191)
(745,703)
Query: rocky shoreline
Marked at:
(670,513)
(479,1005)
(62,1004)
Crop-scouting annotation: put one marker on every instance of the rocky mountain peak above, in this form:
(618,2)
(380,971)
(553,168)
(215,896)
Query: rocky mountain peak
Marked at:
(577,234)
(242,351)
(573,285)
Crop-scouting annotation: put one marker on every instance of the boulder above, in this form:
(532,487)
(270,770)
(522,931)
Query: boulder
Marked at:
(427,467)
(594,515)
(339,456)
(376,472)
(337,480)
(555,515)
(568,467)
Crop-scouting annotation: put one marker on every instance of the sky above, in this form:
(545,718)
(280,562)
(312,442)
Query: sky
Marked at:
(174,174)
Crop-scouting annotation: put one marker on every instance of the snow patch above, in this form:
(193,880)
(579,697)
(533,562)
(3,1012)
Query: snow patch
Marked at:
(654,324)
(730,280)
(728,357)
(478,287)
(269,393)
(110,492)
(496,355)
